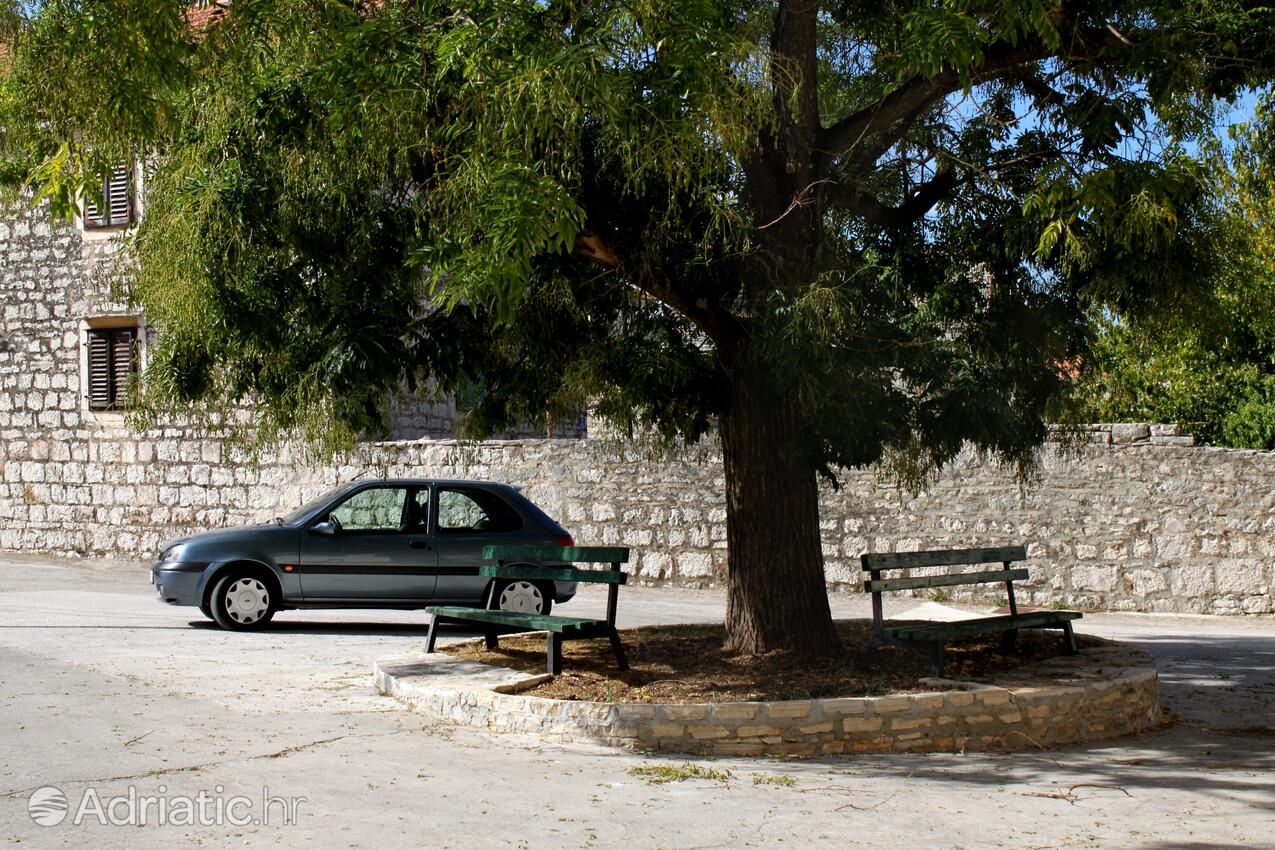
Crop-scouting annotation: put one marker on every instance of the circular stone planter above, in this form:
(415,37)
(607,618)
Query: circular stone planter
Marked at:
(1103,692)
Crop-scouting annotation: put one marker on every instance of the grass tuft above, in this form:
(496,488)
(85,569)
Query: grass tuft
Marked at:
(659,774)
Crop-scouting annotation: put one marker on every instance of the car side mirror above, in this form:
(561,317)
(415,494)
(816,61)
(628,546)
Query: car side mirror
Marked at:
(327,528)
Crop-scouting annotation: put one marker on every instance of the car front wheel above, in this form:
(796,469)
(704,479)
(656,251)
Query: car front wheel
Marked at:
(241,602)
(523,597)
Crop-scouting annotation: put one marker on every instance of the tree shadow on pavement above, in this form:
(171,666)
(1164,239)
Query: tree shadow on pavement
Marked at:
(1224,682)
(1219,742)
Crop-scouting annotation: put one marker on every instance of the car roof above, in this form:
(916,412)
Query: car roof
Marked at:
(417,482)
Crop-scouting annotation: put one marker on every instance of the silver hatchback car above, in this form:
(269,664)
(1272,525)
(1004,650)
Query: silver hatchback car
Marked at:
(396,543)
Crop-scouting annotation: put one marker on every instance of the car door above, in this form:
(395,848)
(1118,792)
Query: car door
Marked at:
(466,520)
(380,549)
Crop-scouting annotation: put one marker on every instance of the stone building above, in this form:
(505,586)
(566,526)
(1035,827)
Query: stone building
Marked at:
(69,347)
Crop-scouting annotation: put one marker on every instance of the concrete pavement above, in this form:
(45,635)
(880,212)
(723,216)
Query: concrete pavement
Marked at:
(102,689)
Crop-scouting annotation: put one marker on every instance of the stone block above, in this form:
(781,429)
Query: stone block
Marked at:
(1192,580)
(1130,432)
(682,712)
(702,731)
(736,711)
(753,730)
(844,706)
(992,696)
(738,748)
(694,564)
(903,723)
(666,730)
(1240,576)
(788,710)
(891,704)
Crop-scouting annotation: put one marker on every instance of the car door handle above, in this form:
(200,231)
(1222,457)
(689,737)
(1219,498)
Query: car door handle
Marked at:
(419,544)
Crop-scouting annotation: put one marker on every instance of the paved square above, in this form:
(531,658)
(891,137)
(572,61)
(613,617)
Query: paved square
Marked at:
(105,689)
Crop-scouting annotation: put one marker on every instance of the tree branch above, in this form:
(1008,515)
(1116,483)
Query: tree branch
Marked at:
(873,130)
(936,190)
(718,324)
(591,247)
(1042,92)
(914,207)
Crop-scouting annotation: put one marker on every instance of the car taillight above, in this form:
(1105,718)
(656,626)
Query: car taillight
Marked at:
(564,540)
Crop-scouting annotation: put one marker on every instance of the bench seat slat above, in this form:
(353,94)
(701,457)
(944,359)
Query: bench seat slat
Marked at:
(941,557)
(530,622)
(948,580)
(553,573)
(559,554)
(965,628)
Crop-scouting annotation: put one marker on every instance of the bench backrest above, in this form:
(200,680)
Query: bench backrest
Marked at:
(529,562)
(877,562)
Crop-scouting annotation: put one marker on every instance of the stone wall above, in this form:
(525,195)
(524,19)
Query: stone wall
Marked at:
(1142,523)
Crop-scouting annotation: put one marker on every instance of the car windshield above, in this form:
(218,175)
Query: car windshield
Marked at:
(288,519)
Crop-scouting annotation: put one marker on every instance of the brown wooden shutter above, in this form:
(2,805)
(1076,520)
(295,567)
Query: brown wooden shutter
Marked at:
(122,363)
(99,373)
(112,356)
(117,193)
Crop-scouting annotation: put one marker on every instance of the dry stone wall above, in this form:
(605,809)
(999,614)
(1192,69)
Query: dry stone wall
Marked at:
(1147,525)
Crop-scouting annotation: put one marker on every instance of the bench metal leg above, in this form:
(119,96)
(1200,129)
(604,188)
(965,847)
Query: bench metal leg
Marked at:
(1009,639)
(936,659)
(433,632)
(1069,638)
(868,659)
(621,659)
(554,652)
(490,635)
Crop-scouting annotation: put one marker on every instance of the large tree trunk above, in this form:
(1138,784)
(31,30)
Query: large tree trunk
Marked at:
(776,598)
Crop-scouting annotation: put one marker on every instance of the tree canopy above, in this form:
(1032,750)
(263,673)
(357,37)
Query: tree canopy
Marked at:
(842,233)
(1210,367)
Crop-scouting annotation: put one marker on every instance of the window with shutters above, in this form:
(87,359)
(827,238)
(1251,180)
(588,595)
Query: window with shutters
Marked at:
(111,364)
(116,203)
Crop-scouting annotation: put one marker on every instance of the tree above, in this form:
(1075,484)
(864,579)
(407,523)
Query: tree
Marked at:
(845,233)
(1212,367)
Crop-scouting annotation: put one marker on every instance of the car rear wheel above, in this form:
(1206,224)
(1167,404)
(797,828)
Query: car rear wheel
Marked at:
(241,602)
(523,597)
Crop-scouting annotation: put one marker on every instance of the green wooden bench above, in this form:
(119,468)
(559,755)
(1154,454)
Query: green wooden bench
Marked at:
(540,563)
(932,636)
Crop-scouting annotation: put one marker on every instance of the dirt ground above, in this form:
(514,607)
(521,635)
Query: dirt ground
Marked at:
(686,664)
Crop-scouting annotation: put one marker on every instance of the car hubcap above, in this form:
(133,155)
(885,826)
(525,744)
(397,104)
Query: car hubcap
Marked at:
(247,601)
(522,597)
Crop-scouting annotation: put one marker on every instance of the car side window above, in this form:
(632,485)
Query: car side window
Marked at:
(475,510)
(376,509)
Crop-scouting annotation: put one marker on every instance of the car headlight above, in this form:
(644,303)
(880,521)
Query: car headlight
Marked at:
(171,554)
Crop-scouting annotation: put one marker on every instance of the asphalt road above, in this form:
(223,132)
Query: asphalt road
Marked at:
(103,690)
